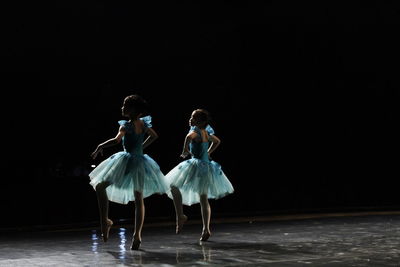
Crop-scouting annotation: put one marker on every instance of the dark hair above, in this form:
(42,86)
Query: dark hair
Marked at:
(203,116)
(137,104)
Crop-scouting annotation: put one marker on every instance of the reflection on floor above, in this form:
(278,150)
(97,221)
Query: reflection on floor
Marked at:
(372,240)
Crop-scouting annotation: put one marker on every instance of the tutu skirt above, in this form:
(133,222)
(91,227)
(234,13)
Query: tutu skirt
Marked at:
(195,177)
(127,173)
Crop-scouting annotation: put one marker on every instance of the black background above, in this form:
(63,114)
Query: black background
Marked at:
(303,95)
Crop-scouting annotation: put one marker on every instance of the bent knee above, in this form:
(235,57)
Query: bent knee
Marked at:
(102,186)
(174,188)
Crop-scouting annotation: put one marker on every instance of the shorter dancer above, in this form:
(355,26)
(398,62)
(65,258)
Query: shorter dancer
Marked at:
(198,179)
(128,175)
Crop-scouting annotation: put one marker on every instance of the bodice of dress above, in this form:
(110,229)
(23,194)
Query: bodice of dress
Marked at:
(197,147)
(131,141)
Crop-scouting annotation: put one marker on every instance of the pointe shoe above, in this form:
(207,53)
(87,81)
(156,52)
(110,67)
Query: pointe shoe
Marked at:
(107,232)
(180,222)
(135,244)
(205,236)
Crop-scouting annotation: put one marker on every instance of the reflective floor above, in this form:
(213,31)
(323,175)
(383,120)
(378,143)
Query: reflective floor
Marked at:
(372,240)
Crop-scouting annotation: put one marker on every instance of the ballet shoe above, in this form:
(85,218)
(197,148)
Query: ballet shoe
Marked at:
(180,222)
(107,232)
(135,244)
(205,236)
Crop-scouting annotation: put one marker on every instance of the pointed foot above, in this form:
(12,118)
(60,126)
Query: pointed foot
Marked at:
(180,222)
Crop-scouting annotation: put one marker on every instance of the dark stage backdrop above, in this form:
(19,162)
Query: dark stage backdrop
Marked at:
(303,95)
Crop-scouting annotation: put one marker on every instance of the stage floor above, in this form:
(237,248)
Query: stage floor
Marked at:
(362,240)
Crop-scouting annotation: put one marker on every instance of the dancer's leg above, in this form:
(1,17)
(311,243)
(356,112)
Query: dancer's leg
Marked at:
(206,216)
(139,219)
(102,200)
(180,217)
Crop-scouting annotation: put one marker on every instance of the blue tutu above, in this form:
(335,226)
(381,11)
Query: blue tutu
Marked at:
(130,171)
(195,177)
(198,175)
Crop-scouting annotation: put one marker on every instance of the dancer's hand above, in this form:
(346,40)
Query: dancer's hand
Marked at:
(185,154)
(96,152)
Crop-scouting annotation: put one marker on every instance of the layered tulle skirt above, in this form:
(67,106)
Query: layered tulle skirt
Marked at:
(126,173)
(195,177)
